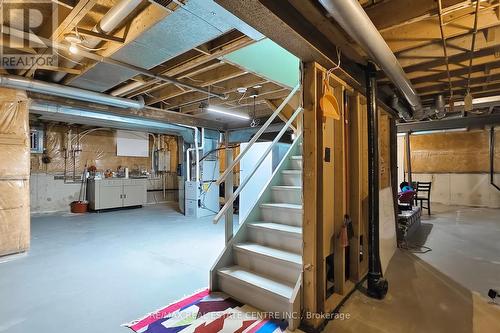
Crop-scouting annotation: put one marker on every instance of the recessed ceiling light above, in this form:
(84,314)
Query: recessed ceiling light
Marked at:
(257,86)
(241,90)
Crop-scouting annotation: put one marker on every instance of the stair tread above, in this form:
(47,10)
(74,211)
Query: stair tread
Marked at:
(286,187)
(280,288)
(277,227)
(271,252)
(291,171)
(281,205)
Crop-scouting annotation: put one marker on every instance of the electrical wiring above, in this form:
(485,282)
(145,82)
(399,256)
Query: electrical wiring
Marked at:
(67,58)
(337,66)
(415,248)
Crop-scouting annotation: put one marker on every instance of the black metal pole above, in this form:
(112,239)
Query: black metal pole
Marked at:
(492,158)
(377,287)
(408,158)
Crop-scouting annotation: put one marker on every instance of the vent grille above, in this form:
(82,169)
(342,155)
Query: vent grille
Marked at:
(163,3)
(36,141)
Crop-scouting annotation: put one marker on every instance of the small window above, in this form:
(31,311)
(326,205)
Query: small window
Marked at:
(36,141)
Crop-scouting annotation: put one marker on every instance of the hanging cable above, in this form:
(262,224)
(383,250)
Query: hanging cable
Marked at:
(445,50)
(473,44)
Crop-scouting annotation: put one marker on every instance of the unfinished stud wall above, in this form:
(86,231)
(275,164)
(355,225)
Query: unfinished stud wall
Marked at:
(457,163)
(14,172)
(236,169)
(384,149)
(335,182)
(56,184)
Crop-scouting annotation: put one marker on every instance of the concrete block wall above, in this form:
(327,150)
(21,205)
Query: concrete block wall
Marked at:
(466,189)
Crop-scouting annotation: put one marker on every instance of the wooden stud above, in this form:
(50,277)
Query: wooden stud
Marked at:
(312,213)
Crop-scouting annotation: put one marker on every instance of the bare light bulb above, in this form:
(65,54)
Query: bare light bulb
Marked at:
(73,49)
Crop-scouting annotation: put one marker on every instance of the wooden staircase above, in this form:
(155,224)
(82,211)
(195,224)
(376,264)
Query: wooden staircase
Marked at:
(262,264)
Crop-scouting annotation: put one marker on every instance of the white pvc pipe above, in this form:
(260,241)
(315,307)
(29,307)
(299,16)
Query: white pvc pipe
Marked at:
(353,19)
(196,149)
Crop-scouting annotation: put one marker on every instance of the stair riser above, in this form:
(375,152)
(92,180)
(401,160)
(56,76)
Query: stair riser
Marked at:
(277,239)
(269,266)
(282,215)
(297,164)
(294,179)
(287,196)
(252,295)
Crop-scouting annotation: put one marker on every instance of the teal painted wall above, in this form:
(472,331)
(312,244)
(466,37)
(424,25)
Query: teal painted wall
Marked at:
(268,59)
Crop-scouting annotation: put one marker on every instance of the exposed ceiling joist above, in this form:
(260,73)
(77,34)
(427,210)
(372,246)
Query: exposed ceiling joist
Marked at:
(395,13)
(419,34)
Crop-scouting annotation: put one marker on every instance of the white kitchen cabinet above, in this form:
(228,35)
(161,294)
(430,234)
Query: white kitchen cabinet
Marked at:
(116,193)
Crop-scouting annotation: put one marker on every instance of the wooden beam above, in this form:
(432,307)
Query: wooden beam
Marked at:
(285,114)
(453,73)
(459,84)
(205,79)
(60,69)
(291,30)
(313,283)
(109,38)
(191,62)
(333,132)
(231,94)
(78,12)
(140,23)
(384,17)
(421,33)
(457,58)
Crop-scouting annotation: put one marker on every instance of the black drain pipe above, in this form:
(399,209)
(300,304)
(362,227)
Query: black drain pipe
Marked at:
(492,158)
(377,287)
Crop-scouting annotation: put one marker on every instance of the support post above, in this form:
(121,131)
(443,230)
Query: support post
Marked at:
(228,191)
(377,286)
(408,158)
(394,163)
(492,158)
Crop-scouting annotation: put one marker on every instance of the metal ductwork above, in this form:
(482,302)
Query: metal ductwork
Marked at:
(19,82)
(353,19)
(109,22)
(87,116)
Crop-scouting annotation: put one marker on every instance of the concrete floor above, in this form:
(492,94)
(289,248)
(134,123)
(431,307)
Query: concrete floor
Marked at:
(465,245)
(442,290)
(94,272)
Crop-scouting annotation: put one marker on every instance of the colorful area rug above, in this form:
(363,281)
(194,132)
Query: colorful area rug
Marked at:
(206,312)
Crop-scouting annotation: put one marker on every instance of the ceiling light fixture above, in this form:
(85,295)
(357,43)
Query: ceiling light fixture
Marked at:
(73,49)
(74,40)
(227,113)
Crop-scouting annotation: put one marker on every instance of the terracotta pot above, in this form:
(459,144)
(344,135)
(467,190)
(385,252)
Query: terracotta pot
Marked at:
(79,207)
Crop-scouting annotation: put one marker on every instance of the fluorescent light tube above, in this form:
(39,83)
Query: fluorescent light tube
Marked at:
(227,113)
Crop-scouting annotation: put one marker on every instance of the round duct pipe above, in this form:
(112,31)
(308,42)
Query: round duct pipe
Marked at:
(19,82)
(352,18)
